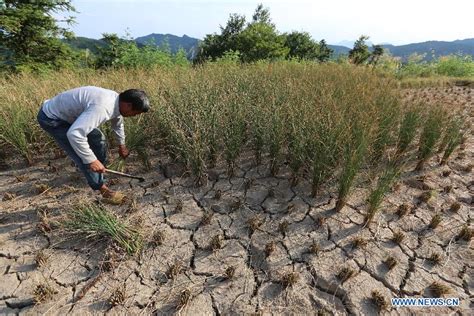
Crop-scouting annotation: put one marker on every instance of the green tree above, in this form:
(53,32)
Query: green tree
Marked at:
(325,52)
(360,53)
(253,41)
(301,46)
(377,52)
(30,35)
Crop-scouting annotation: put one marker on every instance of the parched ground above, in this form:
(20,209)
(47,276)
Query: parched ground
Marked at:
(287,251)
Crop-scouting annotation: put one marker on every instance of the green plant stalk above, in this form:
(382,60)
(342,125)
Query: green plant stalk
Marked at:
(383,186)
(95,221)
(429,137)
(354,157)
(407,130)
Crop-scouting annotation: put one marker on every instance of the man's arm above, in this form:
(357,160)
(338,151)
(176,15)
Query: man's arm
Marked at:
(77,133)
(119,131)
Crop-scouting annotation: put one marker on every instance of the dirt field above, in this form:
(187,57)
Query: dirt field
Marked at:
(291,254)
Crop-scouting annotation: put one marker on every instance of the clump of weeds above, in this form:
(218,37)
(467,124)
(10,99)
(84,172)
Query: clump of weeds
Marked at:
(379,300)
(383,186)
(94,221)
(345,274)
(438,289)
(270,248)
(174,270)
(430,135)
(254,223)
(390,262)
(184,299)
(398,237)
(216,243)
(207,218)
(229,272)
(435,220)
(118,296)
(403,209)
(43,293)
(158,238)
(283,227)
(289,279)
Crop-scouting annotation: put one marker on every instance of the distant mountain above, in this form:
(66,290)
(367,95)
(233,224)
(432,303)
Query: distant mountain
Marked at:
(339,50)
(189,44)
(433,48)
(85,43)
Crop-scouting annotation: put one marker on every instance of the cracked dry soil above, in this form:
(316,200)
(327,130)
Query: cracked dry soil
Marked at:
(249,244)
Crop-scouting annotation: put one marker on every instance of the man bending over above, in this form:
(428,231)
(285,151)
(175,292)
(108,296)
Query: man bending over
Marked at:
(72,118)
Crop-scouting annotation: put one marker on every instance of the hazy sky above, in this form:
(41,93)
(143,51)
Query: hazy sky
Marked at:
(385,21)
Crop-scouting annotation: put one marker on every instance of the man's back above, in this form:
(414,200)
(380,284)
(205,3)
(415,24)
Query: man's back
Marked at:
(69,105)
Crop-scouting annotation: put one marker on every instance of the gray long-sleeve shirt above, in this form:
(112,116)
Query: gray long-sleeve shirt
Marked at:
(86,108)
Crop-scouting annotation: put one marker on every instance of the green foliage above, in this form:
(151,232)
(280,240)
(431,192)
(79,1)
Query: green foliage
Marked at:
(96,222)
(430,135)
(452,138)
(124,52)
(302,46)
(389,175)
(30,35)
(359,54)
(259,40)
(455,66)
(354,153)
(407,130)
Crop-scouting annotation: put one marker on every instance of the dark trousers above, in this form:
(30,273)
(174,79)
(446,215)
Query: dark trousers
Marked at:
(96,139)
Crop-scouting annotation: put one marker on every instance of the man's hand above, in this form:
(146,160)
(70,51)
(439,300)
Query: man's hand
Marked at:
(97,166)
(123,151)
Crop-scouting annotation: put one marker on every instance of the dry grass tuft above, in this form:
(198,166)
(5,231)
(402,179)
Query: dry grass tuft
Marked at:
(254,223)
(345,274)
(426,196)
(218,195)
(446,173)
(439,289)
(118,296)
(40,259)
(184,298)
(283,227)
(206,218)
(403,210)
(435,220)
(216,243)
(379,300)
(435,258)
(455,207)
(110,260)
(157,239)
(359,242)
(270,248)
(390,262)
(314,248)
(229,272)
(174,270)
(398,237)
(465,234)
(43,293)
(289,279)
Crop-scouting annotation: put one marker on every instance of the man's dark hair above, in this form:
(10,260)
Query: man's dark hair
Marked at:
(137,98)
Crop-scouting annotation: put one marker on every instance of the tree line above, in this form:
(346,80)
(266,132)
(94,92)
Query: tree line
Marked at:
(31,39)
